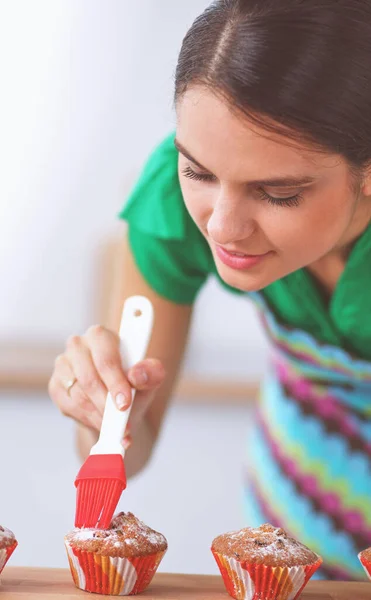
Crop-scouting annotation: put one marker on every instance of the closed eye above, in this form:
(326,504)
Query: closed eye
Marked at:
(288,201)
(191,174)
(277,201)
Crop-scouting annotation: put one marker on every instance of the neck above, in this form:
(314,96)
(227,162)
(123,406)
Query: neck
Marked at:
(361,220)
(328,269)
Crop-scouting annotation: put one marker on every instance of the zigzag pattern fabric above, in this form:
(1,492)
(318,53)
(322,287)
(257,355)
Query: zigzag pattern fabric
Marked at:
(309,449)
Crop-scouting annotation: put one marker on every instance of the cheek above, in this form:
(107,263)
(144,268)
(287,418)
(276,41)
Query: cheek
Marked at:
(312,229)
(198,200)
(329,217)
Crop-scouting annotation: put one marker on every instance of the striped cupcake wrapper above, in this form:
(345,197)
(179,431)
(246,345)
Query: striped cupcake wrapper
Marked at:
(245,581)
(5,554)
(115,576)
(366,564)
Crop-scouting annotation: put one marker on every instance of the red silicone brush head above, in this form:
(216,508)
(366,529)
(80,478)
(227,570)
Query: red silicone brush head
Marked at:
(99,484)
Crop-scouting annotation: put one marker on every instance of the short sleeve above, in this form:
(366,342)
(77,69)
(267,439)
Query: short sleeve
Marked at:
(168,249)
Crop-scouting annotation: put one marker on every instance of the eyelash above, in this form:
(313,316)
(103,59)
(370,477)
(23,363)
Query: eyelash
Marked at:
(291,201)
(191,174)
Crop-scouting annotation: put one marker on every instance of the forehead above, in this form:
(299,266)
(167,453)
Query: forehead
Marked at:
(231,146)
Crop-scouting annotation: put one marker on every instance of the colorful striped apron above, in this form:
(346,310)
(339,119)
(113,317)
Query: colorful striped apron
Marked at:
(309,447)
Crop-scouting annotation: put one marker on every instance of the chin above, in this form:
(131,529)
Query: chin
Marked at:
(243,281)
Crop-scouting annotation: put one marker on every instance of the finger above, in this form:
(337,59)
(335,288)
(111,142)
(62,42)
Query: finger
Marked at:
(63,371)
(148,374)
(104,348)
(127,441)
(84,405)
(76,407)
(79,355)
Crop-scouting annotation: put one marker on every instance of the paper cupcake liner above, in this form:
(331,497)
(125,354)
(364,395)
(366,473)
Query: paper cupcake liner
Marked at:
(111,575)
(5,554)
(366,564)
(246,581)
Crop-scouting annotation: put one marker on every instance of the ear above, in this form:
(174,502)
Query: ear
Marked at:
(366,183)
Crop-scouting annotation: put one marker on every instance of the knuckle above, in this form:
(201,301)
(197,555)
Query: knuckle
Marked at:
(73,342)
(96,331)
(106,363)
(59,361)
(89,382)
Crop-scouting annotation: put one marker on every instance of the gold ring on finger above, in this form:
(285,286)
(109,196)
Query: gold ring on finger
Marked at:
(69,385)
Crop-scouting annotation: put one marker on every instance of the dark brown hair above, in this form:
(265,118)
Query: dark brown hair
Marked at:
(298,67)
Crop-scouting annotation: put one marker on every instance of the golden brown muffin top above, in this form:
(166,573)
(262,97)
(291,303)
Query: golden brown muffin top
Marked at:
(7,537)
(264,545)
(126,536)
(366,554)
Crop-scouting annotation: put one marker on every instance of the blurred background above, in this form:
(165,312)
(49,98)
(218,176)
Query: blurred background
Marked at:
(86,94)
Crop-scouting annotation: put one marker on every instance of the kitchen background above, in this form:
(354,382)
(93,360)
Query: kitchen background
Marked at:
(86,94)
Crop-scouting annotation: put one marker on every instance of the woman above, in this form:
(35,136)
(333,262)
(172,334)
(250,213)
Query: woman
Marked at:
(267,185)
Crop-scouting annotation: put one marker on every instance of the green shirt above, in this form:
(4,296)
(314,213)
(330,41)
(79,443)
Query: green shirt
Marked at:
(176,260)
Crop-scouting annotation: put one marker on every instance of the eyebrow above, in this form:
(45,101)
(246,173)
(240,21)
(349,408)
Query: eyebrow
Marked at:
(285,181)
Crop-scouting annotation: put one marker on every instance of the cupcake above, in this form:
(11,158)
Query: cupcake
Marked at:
(264,563)
(365,558)
(120,560)
(8,544)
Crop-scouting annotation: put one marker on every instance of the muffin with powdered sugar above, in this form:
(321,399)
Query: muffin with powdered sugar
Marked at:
(120,560)
(264,562)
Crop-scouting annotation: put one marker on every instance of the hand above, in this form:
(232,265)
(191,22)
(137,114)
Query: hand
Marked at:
(89,368)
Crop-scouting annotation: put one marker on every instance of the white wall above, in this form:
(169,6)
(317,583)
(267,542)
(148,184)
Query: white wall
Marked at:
(191,492)
(86,92)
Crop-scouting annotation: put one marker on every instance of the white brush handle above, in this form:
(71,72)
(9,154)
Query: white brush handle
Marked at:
(135,333)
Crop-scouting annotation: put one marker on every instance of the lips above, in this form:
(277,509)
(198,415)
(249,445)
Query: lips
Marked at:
(239,260)
(239,254)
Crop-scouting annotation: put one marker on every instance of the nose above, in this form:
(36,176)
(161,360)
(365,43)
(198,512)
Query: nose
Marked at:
(230,220)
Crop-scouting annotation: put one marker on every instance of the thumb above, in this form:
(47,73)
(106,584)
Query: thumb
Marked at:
(147,374)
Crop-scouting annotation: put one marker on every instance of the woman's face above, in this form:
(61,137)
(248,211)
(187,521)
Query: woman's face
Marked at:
(266,207)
